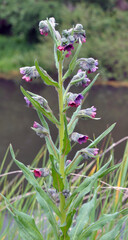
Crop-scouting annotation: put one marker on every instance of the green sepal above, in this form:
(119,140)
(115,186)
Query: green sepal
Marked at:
(82,218)
(44,75)
(31,179)
(57,179)
(73,62)
(66,142)
(26,224)
(39,108)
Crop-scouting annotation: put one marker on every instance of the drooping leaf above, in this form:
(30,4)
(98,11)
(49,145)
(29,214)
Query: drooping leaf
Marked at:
(26,224)
(66,142)
(31,179)
(82,218)
(57,179)
(39,108)
(46,78)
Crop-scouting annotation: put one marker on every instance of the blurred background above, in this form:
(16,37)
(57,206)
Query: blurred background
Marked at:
(105,23)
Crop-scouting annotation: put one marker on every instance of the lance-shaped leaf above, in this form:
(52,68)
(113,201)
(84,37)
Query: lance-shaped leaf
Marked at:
(98,139)
(57,179)
(49,214)
(73,62)
(26,224)
(38,107)
(66,142)
(116,231)
(46,78)
(31,179)
(107,218)
(82,218)
(86,182)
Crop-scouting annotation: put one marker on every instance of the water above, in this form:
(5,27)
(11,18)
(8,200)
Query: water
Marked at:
(16,119)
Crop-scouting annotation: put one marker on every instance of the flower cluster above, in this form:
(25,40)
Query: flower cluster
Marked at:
(88,112)
(71,36)
(88,64)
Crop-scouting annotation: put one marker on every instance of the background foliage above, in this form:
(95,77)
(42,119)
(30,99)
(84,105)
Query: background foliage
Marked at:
(105,24)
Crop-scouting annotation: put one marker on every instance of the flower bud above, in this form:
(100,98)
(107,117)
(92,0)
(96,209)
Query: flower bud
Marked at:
(91,112)
(40,131)
(67,162)
(88,64)
(42,172)
(29,73)
(80,138)
(27,102)
(66,193)
(53,193)
(89,152)
(81,79)
(43,26)
(74,100)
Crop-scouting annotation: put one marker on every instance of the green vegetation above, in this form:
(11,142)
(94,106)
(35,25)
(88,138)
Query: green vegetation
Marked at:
(106,31)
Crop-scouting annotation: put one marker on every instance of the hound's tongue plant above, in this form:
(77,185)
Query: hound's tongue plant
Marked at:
(69,216)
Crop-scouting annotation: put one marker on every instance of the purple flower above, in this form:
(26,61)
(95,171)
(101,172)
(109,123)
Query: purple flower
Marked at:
(88,64)
(91,112)
(80,138)
(29,73)
(67,48)
(27,102)
(42,172)
(35,124)
(74,100)
(37,173)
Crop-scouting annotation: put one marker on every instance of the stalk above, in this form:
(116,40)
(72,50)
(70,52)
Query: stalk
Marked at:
(61,136)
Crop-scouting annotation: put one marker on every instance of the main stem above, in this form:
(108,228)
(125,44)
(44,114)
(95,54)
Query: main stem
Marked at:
(61,136)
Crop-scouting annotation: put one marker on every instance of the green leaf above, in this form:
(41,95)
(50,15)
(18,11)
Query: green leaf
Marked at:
(26,224)
(39,108)
(48,211)
(89,86)
(46,78)
(97,140)
(111,235)
(82,218)
(31,179)
(66,142)
(110,169)
(106,218)
(73,121)
(57,179)
(73,62)
(68,222)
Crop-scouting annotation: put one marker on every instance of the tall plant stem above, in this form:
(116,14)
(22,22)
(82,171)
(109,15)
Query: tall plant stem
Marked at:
(61,136)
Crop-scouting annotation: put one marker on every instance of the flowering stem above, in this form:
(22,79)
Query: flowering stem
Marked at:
(61,137)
